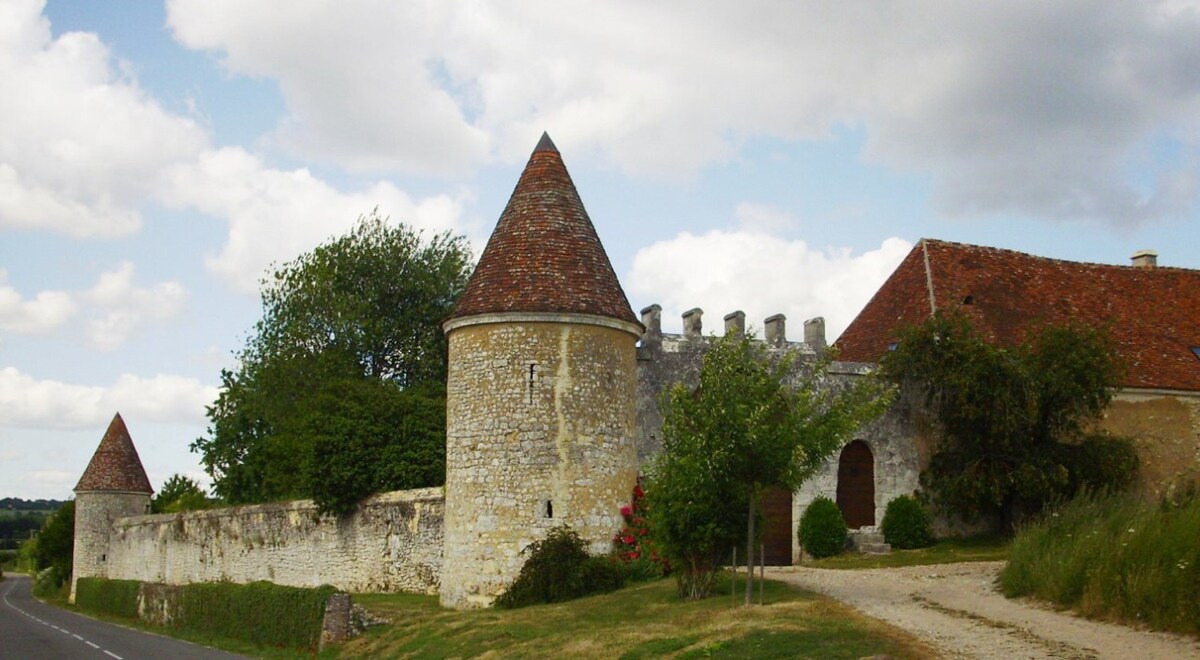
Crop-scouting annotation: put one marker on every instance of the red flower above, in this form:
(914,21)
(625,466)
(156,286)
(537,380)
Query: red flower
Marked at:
(626,511)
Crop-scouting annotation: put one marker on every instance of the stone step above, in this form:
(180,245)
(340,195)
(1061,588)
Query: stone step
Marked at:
(874,548)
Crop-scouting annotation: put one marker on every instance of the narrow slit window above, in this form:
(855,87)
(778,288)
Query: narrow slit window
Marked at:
(532,366)
(549,509)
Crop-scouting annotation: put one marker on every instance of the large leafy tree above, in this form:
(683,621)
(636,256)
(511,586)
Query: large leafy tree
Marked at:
(347,330)
(755,421)
(1012,420)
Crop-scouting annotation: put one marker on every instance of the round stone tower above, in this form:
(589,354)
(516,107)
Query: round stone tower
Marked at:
(113,486)
(540,389)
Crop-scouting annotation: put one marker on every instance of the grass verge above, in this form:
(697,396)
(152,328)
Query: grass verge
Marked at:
(946,551)
(1113,557)
(643,621)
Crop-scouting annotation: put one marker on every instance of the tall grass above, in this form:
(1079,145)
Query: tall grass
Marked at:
(1113,557)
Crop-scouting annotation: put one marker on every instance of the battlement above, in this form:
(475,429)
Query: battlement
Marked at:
(774,330)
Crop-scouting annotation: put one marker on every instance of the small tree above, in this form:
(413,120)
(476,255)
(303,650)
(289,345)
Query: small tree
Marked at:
(55,544)
(1004,412)
(179,493)
(753,422)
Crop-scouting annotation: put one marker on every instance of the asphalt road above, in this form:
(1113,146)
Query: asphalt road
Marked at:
(32,630)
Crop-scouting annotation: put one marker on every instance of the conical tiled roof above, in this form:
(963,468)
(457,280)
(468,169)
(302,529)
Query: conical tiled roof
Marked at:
(544,255)
(115,465)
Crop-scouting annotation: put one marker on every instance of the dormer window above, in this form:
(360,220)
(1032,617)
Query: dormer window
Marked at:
(1196,351)
(969,300)
(893,346)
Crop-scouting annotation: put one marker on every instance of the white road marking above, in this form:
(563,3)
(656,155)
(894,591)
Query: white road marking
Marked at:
(4,598)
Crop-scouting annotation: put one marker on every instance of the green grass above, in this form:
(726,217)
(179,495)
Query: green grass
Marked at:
(1114,557)
(946,551)
(644,621)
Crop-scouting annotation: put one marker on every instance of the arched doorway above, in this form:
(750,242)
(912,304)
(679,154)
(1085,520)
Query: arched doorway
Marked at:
(856,485)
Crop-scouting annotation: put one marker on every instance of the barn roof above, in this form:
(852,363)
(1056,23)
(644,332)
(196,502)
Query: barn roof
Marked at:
(1153,313)
(115,465)
(544,255)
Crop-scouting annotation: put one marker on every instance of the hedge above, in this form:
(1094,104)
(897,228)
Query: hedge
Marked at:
(261,612)
(118,597)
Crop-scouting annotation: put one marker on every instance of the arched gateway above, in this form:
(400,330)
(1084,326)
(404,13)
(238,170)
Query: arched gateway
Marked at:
(856,485)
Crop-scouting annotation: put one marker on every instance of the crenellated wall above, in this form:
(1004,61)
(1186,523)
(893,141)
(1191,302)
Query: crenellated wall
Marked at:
(391,542)
(665,359)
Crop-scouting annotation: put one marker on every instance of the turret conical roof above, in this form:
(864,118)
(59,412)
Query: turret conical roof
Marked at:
(115,465)
(544,255)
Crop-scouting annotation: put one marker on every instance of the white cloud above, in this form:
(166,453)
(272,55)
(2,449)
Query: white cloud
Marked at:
(1027,107)
(80,146)
(126,307)
(28,402)
(46,312)
(725,271)
(275,215)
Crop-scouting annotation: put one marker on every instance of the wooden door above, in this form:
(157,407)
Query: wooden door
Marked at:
(777,527)
(856,485)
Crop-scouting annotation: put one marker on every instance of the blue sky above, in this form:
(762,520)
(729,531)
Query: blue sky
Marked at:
(771,157)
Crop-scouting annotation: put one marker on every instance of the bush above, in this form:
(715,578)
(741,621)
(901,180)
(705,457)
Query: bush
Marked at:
(1113,557)
(906,524)
(119,597)
(558,569)
(260,612)
(50,582)
(822,529)
(1102,463)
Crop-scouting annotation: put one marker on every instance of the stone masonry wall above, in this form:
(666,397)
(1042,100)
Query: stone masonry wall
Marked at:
(1165,427)
(392,542)
(539,433)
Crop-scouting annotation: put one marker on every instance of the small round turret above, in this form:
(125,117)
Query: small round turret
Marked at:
(113,486)
(540,389)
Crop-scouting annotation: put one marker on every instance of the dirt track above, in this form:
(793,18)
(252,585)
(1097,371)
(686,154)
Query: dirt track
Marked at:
(956,608)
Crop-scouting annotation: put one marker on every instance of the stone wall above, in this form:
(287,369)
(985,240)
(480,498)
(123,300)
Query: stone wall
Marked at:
(539,433)
(1165,427)
(391,542)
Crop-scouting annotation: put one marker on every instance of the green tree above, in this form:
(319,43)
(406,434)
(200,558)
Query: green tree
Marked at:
(753,422)
(56,543)
(364,307)
(1008,417)
(179,493)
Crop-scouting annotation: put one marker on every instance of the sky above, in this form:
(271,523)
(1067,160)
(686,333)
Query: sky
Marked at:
(771,157)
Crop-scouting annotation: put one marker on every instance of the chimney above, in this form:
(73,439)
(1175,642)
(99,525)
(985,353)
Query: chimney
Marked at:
(652,319)
(814,332)
(691,323)
(735,323)
(776,333)
(1145,259)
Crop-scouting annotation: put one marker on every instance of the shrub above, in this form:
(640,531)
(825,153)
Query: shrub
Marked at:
(1113,557)
(822,529)
(633,549)
(1102,463)
(119,597)
(906,524)
(558,569)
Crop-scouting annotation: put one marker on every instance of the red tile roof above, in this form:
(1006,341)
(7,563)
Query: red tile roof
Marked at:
(544,255)
(115,465)
(1153,313)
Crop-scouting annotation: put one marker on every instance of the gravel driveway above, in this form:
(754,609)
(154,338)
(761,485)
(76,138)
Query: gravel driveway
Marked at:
(957,608)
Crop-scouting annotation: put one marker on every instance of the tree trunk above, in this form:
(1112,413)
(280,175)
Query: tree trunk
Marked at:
(750,550)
